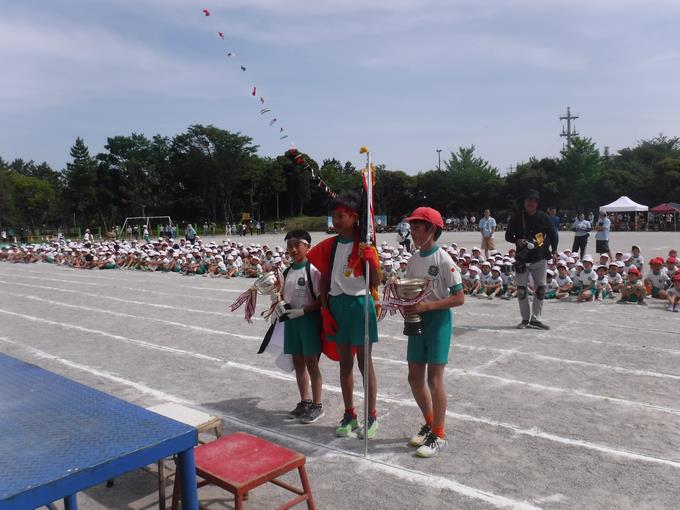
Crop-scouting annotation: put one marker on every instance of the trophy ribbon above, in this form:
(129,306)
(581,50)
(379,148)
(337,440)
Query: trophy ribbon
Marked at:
(392,303)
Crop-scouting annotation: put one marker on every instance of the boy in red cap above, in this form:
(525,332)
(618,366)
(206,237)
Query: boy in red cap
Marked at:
(634,290)
(428,354)
(341,260)
(657,279)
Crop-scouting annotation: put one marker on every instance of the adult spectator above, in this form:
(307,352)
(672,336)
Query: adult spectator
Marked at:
(487,226)
(581,228)
(552,212)
(602,235)
(404,234)
(190,234)
(536,239)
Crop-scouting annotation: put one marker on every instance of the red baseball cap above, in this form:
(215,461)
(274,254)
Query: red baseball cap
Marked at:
(427,214)
(634,269)
(676,277)
(657,260)
(671,260)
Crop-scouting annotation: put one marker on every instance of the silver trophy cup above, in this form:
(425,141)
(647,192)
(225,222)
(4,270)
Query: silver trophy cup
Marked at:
(268,285)
(407,290)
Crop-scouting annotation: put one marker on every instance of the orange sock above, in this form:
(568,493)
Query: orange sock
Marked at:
(439,431)
(429,419)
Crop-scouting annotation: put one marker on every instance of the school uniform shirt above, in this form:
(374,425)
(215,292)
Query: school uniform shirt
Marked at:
(296,287)
(222,267)
(602,281)
(587,279)
(659,281)
(561,282)
(508,279)
(573,274)
(494,281)
(552,285)
(340,283)
(638,261)
(401,273)
(485,278)
(437,266)
(615,279)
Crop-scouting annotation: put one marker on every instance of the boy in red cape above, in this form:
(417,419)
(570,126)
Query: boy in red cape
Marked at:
(341,260)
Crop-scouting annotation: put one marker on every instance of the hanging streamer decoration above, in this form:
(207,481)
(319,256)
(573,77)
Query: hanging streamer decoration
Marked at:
(298,158)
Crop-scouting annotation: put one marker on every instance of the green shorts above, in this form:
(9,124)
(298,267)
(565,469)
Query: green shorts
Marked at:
(551,294)
(348,312)
(110,265)
(655,292)
(433,345)
(302,335)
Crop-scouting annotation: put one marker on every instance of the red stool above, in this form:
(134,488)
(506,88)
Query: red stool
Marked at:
(241,462)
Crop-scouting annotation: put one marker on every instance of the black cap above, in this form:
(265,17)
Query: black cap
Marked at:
(532,193)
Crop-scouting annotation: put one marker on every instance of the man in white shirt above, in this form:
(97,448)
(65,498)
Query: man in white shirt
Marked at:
(581,228)
(487,226)
(602,234)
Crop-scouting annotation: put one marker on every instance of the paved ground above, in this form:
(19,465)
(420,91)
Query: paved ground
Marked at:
(584,416)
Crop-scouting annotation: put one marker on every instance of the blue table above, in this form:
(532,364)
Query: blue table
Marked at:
(59,437)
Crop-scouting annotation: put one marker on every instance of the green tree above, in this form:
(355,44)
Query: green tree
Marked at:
(472,182)
(580,168)
(80,184)
(36,196)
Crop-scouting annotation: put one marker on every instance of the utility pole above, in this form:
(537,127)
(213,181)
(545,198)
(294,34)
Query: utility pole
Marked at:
(569,133)
(439,160)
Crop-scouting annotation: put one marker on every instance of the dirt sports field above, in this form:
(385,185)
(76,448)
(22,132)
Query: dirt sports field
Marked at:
(584,416)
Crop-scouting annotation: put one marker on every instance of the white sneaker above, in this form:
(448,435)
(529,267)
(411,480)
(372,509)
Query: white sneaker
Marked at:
(421,436)
(432,446)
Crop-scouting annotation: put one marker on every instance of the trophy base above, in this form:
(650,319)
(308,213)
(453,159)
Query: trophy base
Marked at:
(413,328)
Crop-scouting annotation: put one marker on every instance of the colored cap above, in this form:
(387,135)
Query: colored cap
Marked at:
(634,269)
(427,214)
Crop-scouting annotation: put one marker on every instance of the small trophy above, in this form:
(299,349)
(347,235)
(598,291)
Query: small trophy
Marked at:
(401,293)
(267,284)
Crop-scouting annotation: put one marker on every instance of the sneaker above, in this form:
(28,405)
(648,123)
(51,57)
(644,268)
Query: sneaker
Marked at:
(677,308)
(670,308)
(421,436)
(432,446)
(347,425)
(621,301)
(299,411)
(372,428)
(314,412)
(523,325)
(643,303)
(535,324)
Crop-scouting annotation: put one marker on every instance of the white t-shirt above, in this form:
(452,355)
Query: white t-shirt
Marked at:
(341,284)
(614,279)
(437,266)
(494,281)
(660,281)
(561,282)
(603,281)
(296,288)
(587,279)
(551,285)
(638,261)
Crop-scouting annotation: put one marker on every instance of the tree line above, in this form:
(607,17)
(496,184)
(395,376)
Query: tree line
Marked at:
(210,174)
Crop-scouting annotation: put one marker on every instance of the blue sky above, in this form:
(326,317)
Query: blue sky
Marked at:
(402,77)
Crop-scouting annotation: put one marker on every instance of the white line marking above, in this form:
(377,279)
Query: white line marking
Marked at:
(532,432)
(470,373)
(543,357)
(542,387)
(403,473)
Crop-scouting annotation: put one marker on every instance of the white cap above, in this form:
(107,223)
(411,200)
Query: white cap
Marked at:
(496,268)
(550,272)
(588,258)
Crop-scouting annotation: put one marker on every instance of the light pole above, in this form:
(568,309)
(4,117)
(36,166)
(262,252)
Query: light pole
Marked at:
(439,160)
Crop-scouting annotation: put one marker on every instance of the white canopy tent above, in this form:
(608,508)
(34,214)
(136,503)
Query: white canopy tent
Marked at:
(624,204)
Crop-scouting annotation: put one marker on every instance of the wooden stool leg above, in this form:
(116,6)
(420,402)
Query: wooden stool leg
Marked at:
(161,485)
(238,502)
(176,491)
(306,487)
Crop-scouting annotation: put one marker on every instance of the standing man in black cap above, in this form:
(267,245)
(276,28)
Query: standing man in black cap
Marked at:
(536,239)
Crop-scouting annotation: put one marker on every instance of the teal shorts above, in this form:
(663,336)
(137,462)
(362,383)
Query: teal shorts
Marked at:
(303,335)
(110,265)
(655,292)
(348,312)
(434,344)
(551,294)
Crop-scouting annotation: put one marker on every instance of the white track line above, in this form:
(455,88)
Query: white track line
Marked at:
(534,432)
(410,475)
(469,373)
(226,315)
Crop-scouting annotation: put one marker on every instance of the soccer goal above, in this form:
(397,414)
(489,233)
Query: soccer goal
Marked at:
(133,227)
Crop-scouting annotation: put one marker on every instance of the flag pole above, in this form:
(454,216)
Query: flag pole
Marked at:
(367,269)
